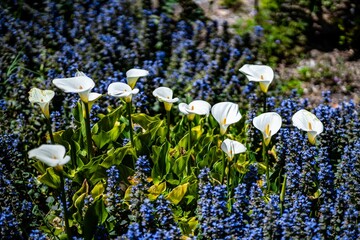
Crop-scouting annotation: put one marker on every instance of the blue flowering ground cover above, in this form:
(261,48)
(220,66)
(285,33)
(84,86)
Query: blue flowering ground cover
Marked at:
(151,173)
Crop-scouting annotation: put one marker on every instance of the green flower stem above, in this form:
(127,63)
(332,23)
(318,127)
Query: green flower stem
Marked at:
(267,167)
(168,124)
(282,195)
(189,142)
(228,182)
(128,104)
(88,131)
(63,200)
(48,123)
(223,170)
(265,102)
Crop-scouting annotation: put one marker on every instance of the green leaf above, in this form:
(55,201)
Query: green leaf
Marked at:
(50,178)
(156,189)
(117,156)
(101,139)
(177,194)
(97,190)
(96,214)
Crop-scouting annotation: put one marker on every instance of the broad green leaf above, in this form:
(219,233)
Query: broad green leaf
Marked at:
(96,214)
(101,139)
(50,178)
(97,190)
(156,189)
(177,194)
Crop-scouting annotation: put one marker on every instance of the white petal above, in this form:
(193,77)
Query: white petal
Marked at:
(183,107)
(136,73)
(258,73)
(199,107)
(270,118)
(75,84)
(93,96)
(135,91)
(40,96)
(119,89)
(50,154)
(164,94)
(231,147)
(301,120)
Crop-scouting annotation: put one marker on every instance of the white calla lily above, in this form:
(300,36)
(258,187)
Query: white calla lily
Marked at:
(134,74)
(122,90)
(164,94)
(308,122)
(52,155)
(258,73)
(225,113)
(80,84)
(198,107)
(269,124)
(42,98)
(231,147)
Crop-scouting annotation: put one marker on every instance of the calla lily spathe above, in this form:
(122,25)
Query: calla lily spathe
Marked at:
(258,73)
(165,94)
(198,107)
(52,155)
(80,84)
(122,90)
(269,124)
(231,147)
(134,74)
(225,113)
(42,98)
(308,122)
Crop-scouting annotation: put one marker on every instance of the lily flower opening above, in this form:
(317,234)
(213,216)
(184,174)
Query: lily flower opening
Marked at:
(80,84)
(164,94)
(42,98)
(231,147)
(269,124)
(198,107)
(225,113)
(52,155)
(258,73)
(122,90)
(308,122)
(134,74)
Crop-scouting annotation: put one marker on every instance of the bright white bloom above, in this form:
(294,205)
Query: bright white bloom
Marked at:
(51,154)
(269,124)
(122,90)
(134,74)
(225,113)
(231,147)
(43,98)
(199,107)
(80,84)
(164,94)
(307,121)
(258,73)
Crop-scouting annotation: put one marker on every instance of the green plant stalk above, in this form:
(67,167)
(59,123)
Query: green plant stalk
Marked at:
(265,102)
(63,200)
(282,195)
(223,170)
(48,123)
(128,104)
(189,142)
(168,125)
(88,131)
(267,167)
(228,182)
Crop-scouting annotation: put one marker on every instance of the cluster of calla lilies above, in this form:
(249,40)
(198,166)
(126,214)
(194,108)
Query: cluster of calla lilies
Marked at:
(225,113)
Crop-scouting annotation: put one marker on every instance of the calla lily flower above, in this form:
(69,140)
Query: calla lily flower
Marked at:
(43,98)
(269,124)
(80,84)
(52,155)
(308,122)
(198,107)
(134,74)
(231,147)
(164,94)
(258,73)
(122,90)
(225,113)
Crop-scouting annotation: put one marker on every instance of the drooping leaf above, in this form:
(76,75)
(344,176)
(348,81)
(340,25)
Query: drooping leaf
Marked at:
(177,194)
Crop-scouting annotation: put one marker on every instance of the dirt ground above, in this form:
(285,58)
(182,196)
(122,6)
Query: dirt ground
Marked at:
(319,71)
